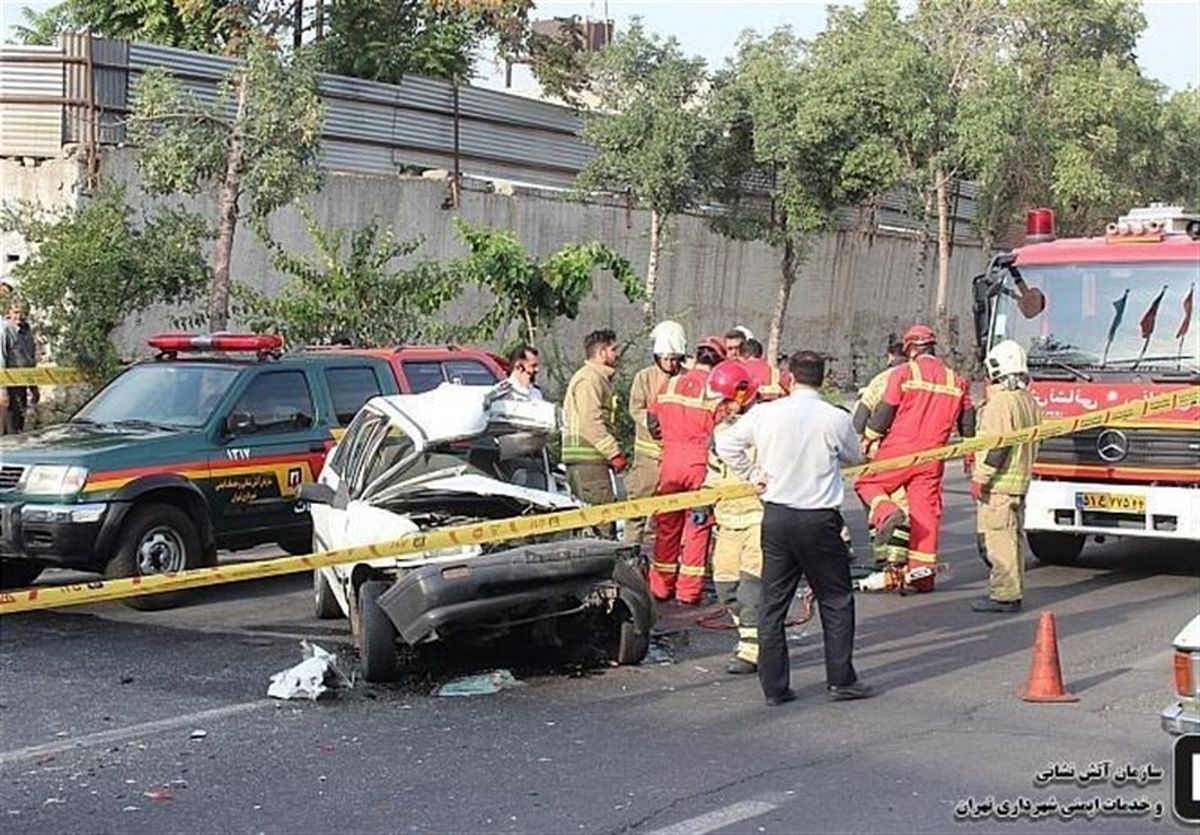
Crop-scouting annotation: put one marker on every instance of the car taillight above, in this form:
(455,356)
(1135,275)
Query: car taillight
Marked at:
(1187,673)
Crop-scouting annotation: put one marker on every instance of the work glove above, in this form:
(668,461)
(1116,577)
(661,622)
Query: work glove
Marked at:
(977,491)
(619,463)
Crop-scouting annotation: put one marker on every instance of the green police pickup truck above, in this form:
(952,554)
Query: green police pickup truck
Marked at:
(196,450)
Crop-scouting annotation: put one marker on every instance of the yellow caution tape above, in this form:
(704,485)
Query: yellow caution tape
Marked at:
(48,597)
(42,375)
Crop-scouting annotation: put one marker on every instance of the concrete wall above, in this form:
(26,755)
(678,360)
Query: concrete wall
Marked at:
(851,292)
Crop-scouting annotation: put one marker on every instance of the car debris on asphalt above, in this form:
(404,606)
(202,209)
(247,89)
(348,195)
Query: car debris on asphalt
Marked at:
(316,675)
(483,684)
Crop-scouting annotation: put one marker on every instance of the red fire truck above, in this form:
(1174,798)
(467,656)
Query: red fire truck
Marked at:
(1105,320)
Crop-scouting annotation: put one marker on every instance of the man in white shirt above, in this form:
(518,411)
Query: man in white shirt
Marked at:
(525,365)
(801,443)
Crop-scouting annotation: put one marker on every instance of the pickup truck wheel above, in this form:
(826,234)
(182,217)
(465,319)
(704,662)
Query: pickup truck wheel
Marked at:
(1055,548)
(324,603)
(155,539)
(631,647)
(16,574)
(377,637)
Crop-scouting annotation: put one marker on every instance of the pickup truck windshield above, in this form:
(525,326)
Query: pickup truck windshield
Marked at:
(171,396)
(1108,316)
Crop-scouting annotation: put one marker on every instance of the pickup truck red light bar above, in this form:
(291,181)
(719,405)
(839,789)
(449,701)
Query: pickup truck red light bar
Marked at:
(216,342)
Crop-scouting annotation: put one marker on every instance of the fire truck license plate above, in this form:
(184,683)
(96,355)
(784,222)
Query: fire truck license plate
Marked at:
(1111,502)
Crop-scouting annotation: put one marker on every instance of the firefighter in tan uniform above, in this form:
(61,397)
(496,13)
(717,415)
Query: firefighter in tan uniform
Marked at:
(896,549)
(589,443)
(737,555)
(1001,477)
(669,347)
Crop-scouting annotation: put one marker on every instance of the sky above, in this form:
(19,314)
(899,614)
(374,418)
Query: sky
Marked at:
(1169,49)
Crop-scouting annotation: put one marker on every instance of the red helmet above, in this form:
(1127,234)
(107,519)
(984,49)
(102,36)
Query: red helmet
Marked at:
(731,380)
(715,343)
(917,336)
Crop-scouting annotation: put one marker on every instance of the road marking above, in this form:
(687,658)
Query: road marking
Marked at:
(131,732)
(718,819)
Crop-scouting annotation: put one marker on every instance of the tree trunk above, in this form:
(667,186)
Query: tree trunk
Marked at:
(943,213)
(656,242)
(787,277)
(227,216)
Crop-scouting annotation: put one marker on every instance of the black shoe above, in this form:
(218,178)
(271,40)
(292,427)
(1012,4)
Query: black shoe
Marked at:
(783,698)
(848,692)
(987,604)
(740,667)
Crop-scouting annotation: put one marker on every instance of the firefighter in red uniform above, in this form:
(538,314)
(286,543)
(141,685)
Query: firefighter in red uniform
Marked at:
(921,404)
(772,383)
(683,417)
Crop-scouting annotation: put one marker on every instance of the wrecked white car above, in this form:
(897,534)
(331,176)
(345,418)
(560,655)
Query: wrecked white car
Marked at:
(452,456)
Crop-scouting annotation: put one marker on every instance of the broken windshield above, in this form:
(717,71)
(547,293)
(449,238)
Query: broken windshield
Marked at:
(1108,315)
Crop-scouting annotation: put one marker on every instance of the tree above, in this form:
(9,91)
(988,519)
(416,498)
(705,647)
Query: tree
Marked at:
(793,121)
(256,145)
(649,131)
(350,290)
(206,26)
(94,266)
(1179,177)
(1085,134)
(535,291)
(385,40)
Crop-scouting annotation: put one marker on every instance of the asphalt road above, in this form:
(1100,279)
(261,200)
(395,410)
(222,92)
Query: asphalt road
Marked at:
(99,707)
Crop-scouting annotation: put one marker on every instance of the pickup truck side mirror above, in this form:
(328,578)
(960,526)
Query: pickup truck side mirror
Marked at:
(314,492)
(239,423)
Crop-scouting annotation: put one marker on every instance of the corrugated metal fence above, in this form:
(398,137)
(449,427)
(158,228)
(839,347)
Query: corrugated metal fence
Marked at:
(80,91)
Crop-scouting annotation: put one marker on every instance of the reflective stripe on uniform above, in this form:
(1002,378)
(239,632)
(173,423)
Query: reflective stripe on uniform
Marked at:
(666,567)
(691,570)
(916,382)
(922,556)
(650,449)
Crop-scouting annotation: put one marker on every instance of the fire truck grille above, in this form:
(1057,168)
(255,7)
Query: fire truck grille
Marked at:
(1168,449)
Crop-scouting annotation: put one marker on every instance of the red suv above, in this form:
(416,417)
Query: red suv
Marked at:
(425,367)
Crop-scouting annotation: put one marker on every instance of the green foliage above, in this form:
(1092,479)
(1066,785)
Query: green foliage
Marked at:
(94,266)
(535,291)
(649,127)
(385,40)
(1179,177)
(185,143)
(350,289)
(203,25)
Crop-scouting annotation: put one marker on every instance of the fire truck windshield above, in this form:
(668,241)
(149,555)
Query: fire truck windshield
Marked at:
(1125,315)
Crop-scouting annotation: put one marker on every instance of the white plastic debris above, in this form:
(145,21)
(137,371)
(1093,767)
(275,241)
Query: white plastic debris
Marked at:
(199,733)
(311,678)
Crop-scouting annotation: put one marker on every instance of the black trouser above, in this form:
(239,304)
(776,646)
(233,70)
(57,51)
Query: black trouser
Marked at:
(804,543)
(14,417)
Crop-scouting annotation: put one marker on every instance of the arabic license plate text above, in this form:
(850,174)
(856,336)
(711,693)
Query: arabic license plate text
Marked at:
(1111,502)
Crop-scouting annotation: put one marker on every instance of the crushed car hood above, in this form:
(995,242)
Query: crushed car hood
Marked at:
(483,486)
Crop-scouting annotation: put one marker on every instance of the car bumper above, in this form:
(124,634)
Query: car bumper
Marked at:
(1171,512)
(519,585)
(1178,719)
(63,535)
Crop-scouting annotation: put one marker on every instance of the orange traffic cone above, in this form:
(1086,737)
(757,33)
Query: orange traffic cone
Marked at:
(1045,675)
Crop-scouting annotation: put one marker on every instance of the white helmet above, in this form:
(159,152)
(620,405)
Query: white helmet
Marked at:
(1005,358)
(669,339)
(745,331)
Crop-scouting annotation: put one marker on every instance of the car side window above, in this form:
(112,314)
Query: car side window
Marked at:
(350,388)
(393,448)
(423,375)
(276,401)
(469,373)
(341,453)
